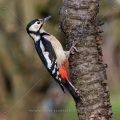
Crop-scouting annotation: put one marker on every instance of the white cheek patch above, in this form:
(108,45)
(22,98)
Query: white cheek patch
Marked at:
(34,28)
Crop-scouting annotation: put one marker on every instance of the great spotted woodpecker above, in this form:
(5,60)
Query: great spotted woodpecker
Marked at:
(52,54)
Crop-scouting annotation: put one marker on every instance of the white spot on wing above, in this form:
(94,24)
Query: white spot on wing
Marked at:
(42,46)
(49,63)
(35,27)
(55,66)
(56,77)
(57,73)
(54,69)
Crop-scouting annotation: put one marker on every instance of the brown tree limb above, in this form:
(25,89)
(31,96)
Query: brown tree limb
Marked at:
(78,20)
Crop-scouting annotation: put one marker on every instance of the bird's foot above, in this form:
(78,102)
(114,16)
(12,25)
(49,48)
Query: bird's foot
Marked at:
(78,93)
(73,49)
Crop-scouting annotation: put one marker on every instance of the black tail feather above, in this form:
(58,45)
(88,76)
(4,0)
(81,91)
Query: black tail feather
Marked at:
(72,90)
(62,87)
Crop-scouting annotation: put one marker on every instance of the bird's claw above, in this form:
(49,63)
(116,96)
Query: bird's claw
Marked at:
(73,49)
(78,93)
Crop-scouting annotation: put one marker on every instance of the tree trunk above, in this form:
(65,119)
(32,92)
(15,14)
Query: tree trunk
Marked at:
(79,22)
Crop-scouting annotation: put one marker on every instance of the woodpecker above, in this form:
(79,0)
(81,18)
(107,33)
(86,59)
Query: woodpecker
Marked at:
(51,53)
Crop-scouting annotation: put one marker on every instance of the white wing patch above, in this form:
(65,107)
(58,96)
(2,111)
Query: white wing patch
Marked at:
(46,55)
(49,63)
(42,46)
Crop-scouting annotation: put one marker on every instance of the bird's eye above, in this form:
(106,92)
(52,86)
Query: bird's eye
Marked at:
(38,22)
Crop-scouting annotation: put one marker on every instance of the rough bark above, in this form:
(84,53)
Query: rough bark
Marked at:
(79,22)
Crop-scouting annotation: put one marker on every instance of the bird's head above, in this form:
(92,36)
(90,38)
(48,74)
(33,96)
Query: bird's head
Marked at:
(35,25)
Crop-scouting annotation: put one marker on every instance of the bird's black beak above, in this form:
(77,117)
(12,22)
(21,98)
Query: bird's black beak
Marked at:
(46,19)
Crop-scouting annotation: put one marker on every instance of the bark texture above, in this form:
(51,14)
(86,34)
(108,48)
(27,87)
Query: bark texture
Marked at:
(79,22)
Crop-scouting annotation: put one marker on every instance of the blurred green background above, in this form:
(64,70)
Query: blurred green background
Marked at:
(27,91)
